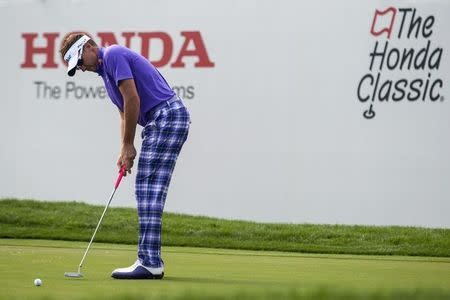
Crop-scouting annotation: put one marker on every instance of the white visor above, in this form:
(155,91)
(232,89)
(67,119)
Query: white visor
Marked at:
(74,54)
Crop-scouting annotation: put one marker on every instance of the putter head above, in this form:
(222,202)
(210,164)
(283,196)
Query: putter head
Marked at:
(73,274)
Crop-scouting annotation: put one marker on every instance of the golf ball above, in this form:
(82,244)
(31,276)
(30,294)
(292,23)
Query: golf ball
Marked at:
(37,282)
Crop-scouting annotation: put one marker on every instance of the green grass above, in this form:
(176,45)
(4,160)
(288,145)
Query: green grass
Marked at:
(200,273)
(76,221)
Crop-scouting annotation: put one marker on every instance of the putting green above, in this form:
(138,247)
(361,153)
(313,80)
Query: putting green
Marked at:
(193,273)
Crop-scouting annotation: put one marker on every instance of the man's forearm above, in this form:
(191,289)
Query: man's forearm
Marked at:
(131,115)
(122,128)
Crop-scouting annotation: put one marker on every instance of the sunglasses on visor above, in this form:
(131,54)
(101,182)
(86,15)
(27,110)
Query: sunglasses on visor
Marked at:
(80,60)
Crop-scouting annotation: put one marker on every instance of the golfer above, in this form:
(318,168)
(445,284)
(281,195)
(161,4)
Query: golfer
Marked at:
(143,97)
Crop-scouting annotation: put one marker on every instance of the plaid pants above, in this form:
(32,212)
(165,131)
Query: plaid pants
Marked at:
(163,137)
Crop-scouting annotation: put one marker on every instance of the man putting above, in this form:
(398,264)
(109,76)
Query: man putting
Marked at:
(143,97)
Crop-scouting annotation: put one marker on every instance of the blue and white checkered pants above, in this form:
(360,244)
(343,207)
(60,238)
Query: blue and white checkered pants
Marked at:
(163,136)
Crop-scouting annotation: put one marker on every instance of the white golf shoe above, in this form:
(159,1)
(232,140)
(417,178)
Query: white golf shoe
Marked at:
(138,271)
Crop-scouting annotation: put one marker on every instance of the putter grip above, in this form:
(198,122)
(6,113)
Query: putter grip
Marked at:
(121,173)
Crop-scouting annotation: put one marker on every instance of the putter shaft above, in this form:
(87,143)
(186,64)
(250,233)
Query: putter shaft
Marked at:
(96,229)
(119,178)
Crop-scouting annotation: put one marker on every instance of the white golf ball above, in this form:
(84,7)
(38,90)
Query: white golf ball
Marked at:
(37,282)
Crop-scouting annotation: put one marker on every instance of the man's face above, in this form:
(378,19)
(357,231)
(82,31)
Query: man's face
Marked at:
(90,59)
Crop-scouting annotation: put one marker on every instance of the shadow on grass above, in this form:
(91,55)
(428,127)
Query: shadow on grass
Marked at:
(196,280)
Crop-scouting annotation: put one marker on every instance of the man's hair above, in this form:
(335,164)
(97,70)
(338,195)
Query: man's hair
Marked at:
(70,39)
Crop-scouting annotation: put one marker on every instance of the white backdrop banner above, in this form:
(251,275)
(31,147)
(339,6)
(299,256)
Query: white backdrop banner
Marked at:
(302,111)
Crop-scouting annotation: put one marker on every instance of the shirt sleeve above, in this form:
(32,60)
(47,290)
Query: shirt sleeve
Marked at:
(119,64)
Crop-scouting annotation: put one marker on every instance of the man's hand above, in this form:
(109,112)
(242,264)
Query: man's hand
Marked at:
(126,158)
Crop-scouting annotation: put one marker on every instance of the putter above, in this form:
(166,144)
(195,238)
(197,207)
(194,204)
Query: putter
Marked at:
(78,274)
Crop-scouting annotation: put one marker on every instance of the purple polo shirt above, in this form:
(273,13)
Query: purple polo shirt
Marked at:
(121,63)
